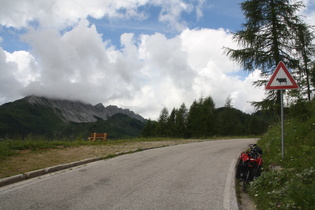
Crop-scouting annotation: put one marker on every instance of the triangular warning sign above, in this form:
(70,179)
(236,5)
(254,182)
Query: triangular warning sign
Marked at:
(281,79)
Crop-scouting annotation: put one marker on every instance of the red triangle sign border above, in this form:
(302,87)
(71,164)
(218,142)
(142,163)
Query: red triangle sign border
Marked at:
(273,77)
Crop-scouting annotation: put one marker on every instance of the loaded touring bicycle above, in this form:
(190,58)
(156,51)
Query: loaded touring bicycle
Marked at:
(249,164)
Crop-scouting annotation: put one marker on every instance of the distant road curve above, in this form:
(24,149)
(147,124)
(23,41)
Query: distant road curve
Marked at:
(188,176)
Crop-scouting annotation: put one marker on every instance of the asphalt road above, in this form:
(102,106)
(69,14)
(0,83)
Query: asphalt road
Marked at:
(187,176)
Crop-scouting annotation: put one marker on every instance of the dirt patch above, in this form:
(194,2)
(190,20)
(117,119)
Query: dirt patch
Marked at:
(244,200)
(246,203)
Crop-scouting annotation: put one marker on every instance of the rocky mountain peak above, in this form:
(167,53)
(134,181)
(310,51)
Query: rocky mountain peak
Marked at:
(99,106)
(79,112)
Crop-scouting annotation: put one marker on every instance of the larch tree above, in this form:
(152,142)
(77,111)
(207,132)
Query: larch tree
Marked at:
(163,128)
(305,54)
(273,32)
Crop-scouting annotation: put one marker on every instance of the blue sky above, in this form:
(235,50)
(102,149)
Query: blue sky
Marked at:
(215,14)
(138,54)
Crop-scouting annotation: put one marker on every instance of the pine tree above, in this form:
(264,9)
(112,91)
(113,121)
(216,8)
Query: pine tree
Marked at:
(201,118)
(150,129)
(208,109)
(194,119)
(171,123)
(272,33)
(305,52)
(181,121)
(163,129)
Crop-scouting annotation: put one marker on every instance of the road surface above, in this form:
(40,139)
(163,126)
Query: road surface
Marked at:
(188,176)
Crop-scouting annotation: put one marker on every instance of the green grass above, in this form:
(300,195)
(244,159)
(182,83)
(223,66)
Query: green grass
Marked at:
(9,147)
(292,187)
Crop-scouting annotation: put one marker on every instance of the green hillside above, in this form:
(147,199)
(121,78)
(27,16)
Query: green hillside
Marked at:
(292,185)
(20,119)
(118,126)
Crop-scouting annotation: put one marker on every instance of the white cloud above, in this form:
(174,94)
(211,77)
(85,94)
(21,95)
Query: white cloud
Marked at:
(200,5)
(246,92)
(147,73)
(63,13)
(204,45)
(27,70)
(9,84)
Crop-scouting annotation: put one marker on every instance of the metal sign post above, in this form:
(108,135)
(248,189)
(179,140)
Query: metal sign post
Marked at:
(282,125)
(281,80)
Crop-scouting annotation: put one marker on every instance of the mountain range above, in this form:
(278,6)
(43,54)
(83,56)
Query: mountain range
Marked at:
(79,112)
(57,118)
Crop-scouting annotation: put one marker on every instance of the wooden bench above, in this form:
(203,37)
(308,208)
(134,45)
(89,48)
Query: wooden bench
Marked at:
(100,136)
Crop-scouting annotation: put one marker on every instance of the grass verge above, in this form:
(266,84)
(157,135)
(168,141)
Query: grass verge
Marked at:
(292,185)
(18,156)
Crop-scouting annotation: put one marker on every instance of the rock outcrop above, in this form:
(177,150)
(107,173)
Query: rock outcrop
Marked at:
(79,112)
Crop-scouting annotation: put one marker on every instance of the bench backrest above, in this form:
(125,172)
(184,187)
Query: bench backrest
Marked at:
(95,136)
(98,134)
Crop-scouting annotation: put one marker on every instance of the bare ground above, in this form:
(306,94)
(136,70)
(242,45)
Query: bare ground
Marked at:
(246,202)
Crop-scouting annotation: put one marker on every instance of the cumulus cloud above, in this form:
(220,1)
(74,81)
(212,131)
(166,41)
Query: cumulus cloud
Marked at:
(145,73)
(61,14)
(309,14)
(148,73)
(9,84)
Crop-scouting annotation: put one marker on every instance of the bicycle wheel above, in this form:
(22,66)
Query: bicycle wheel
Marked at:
(246,178)
(256,171)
